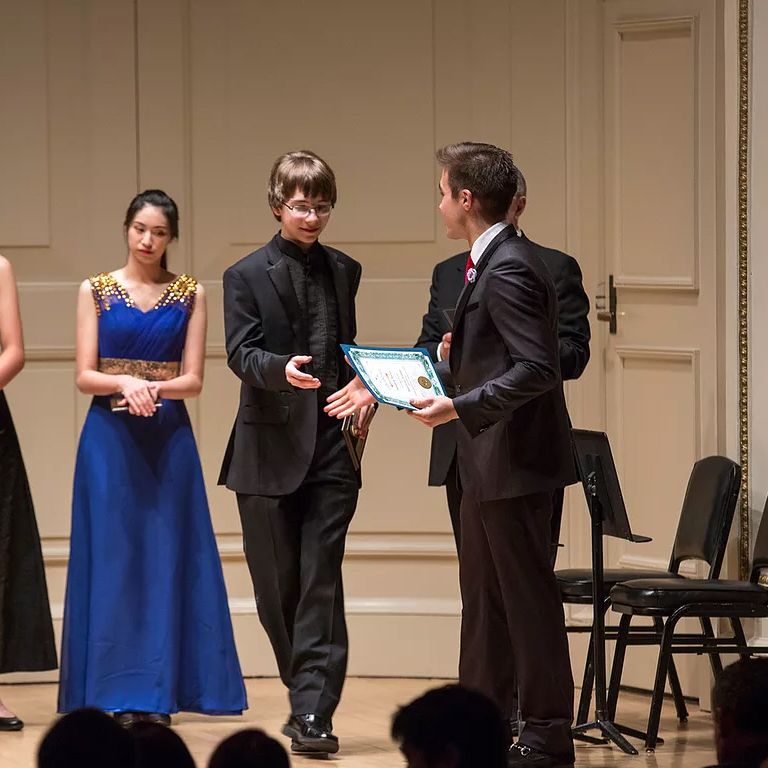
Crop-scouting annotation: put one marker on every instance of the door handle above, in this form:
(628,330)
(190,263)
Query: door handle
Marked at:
(608,315)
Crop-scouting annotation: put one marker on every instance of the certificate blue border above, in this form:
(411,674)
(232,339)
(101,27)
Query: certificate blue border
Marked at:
(420,353)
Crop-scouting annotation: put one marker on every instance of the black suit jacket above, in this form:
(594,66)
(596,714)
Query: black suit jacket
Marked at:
(504,371)
(573,331)
(273,438)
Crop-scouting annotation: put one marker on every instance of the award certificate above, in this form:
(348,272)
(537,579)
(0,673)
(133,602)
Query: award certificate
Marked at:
(395,376)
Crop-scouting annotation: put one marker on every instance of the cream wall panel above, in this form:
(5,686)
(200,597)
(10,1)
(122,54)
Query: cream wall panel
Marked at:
(75,105)
(658,405)
(216,409)
(656,120)
(45,409)
(23,125)
(267,108)
(48,314)
(162,110)
(92,138)
(538,74)
(390,310)
(395,496)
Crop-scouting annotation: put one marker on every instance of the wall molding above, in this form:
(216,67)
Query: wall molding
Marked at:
(360,546)
(656,283)
(374,606)
(615,31)
(675,354)
(354,606)
(687,568)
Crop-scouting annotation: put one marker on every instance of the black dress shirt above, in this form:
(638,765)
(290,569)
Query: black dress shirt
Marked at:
(313,283)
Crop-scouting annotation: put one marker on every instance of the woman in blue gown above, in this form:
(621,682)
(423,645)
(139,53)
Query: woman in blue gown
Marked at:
(147,630)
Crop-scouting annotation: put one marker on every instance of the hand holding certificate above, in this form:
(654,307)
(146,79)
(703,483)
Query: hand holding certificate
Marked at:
(395,376)
(404,378)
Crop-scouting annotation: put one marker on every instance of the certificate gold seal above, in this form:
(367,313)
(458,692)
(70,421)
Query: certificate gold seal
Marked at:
(425,382)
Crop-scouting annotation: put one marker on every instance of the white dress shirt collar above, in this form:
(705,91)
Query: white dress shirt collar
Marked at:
(484,240)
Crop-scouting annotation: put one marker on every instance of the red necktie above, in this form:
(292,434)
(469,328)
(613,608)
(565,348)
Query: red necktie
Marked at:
(469,266)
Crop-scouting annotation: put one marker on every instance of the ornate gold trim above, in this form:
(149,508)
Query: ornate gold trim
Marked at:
(744,16)
(149,370)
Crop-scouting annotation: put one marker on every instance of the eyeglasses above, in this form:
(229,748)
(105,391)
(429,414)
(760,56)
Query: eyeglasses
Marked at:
(302,211)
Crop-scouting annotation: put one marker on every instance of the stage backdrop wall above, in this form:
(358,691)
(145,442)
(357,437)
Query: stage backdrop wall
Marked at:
(198,97)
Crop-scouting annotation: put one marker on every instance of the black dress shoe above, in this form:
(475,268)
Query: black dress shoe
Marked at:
(313,732)
(10,724)
(520,756)
(305,751)
(126,719)
(513,731)
(159,718)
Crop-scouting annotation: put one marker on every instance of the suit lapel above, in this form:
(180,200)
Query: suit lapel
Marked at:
(341,286)
(505,234)
(458,277)
(281,278)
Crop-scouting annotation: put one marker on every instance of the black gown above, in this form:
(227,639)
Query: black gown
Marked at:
(26,630)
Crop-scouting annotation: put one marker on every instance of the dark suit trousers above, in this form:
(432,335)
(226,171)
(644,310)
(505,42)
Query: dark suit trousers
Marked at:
(512,623)
(453,494)
(294,546)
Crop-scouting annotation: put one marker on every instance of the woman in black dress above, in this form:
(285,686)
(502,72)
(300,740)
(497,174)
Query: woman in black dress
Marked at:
(26,630)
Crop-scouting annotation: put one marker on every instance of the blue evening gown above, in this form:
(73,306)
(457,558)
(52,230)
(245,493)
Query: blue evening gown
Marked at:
(146,621)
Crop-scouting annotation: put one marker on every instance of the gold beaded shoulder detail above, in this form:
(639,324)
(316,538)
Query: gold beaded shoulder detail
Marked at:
(182,290)
(106,290)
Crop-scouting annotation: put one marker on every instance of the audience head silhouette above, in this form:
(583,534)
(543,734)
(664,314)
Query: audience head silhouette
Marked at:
(86,738)
(451,727)
(159,747)
(740,707)
(250,748)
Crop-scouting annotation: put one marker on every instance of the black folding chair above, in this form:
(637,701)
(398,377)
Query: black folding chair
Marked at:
(707,511)
(675,599)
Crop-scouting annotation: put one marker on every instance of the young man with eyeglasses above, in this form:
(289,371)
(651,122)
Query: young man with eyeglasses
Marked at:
(287,307)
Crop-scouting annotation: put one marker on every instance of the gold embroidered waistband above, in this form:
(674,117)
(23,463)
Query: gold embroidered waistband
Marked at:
(149,370)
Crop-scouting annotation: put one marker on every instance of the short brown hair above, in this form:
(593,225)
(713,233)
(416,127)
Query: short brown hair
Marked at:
(303,170)
(484,170)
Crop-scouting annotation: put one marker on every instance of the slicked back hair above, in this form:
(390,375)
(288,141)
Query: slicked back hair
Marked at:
(484,170)
(522,188)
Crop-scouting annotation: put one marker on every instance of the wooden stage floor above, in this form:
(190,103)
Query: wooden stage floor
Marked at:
(362,723)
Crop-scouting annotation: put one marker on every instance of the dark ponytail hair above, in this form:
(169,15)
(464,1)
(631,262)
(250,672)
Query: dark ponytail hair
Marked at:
(157,199)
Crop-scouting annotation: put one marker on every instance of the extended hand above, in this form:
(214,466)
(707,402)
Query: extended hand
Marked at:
(296,377)
(434,411)
(349,399)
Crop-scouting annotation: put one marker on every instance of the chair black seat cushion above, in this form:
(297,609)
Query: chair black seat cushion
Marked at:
(667,595)
(576,583)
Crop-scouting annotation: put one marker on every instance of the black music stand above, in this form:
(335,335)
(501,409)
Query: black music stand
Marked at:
(597,473)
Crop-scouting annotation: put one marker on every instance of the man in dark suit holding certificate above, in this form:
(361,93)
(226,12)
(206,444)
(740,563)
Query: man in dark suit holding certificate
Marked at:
(573,333)
(514,451)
